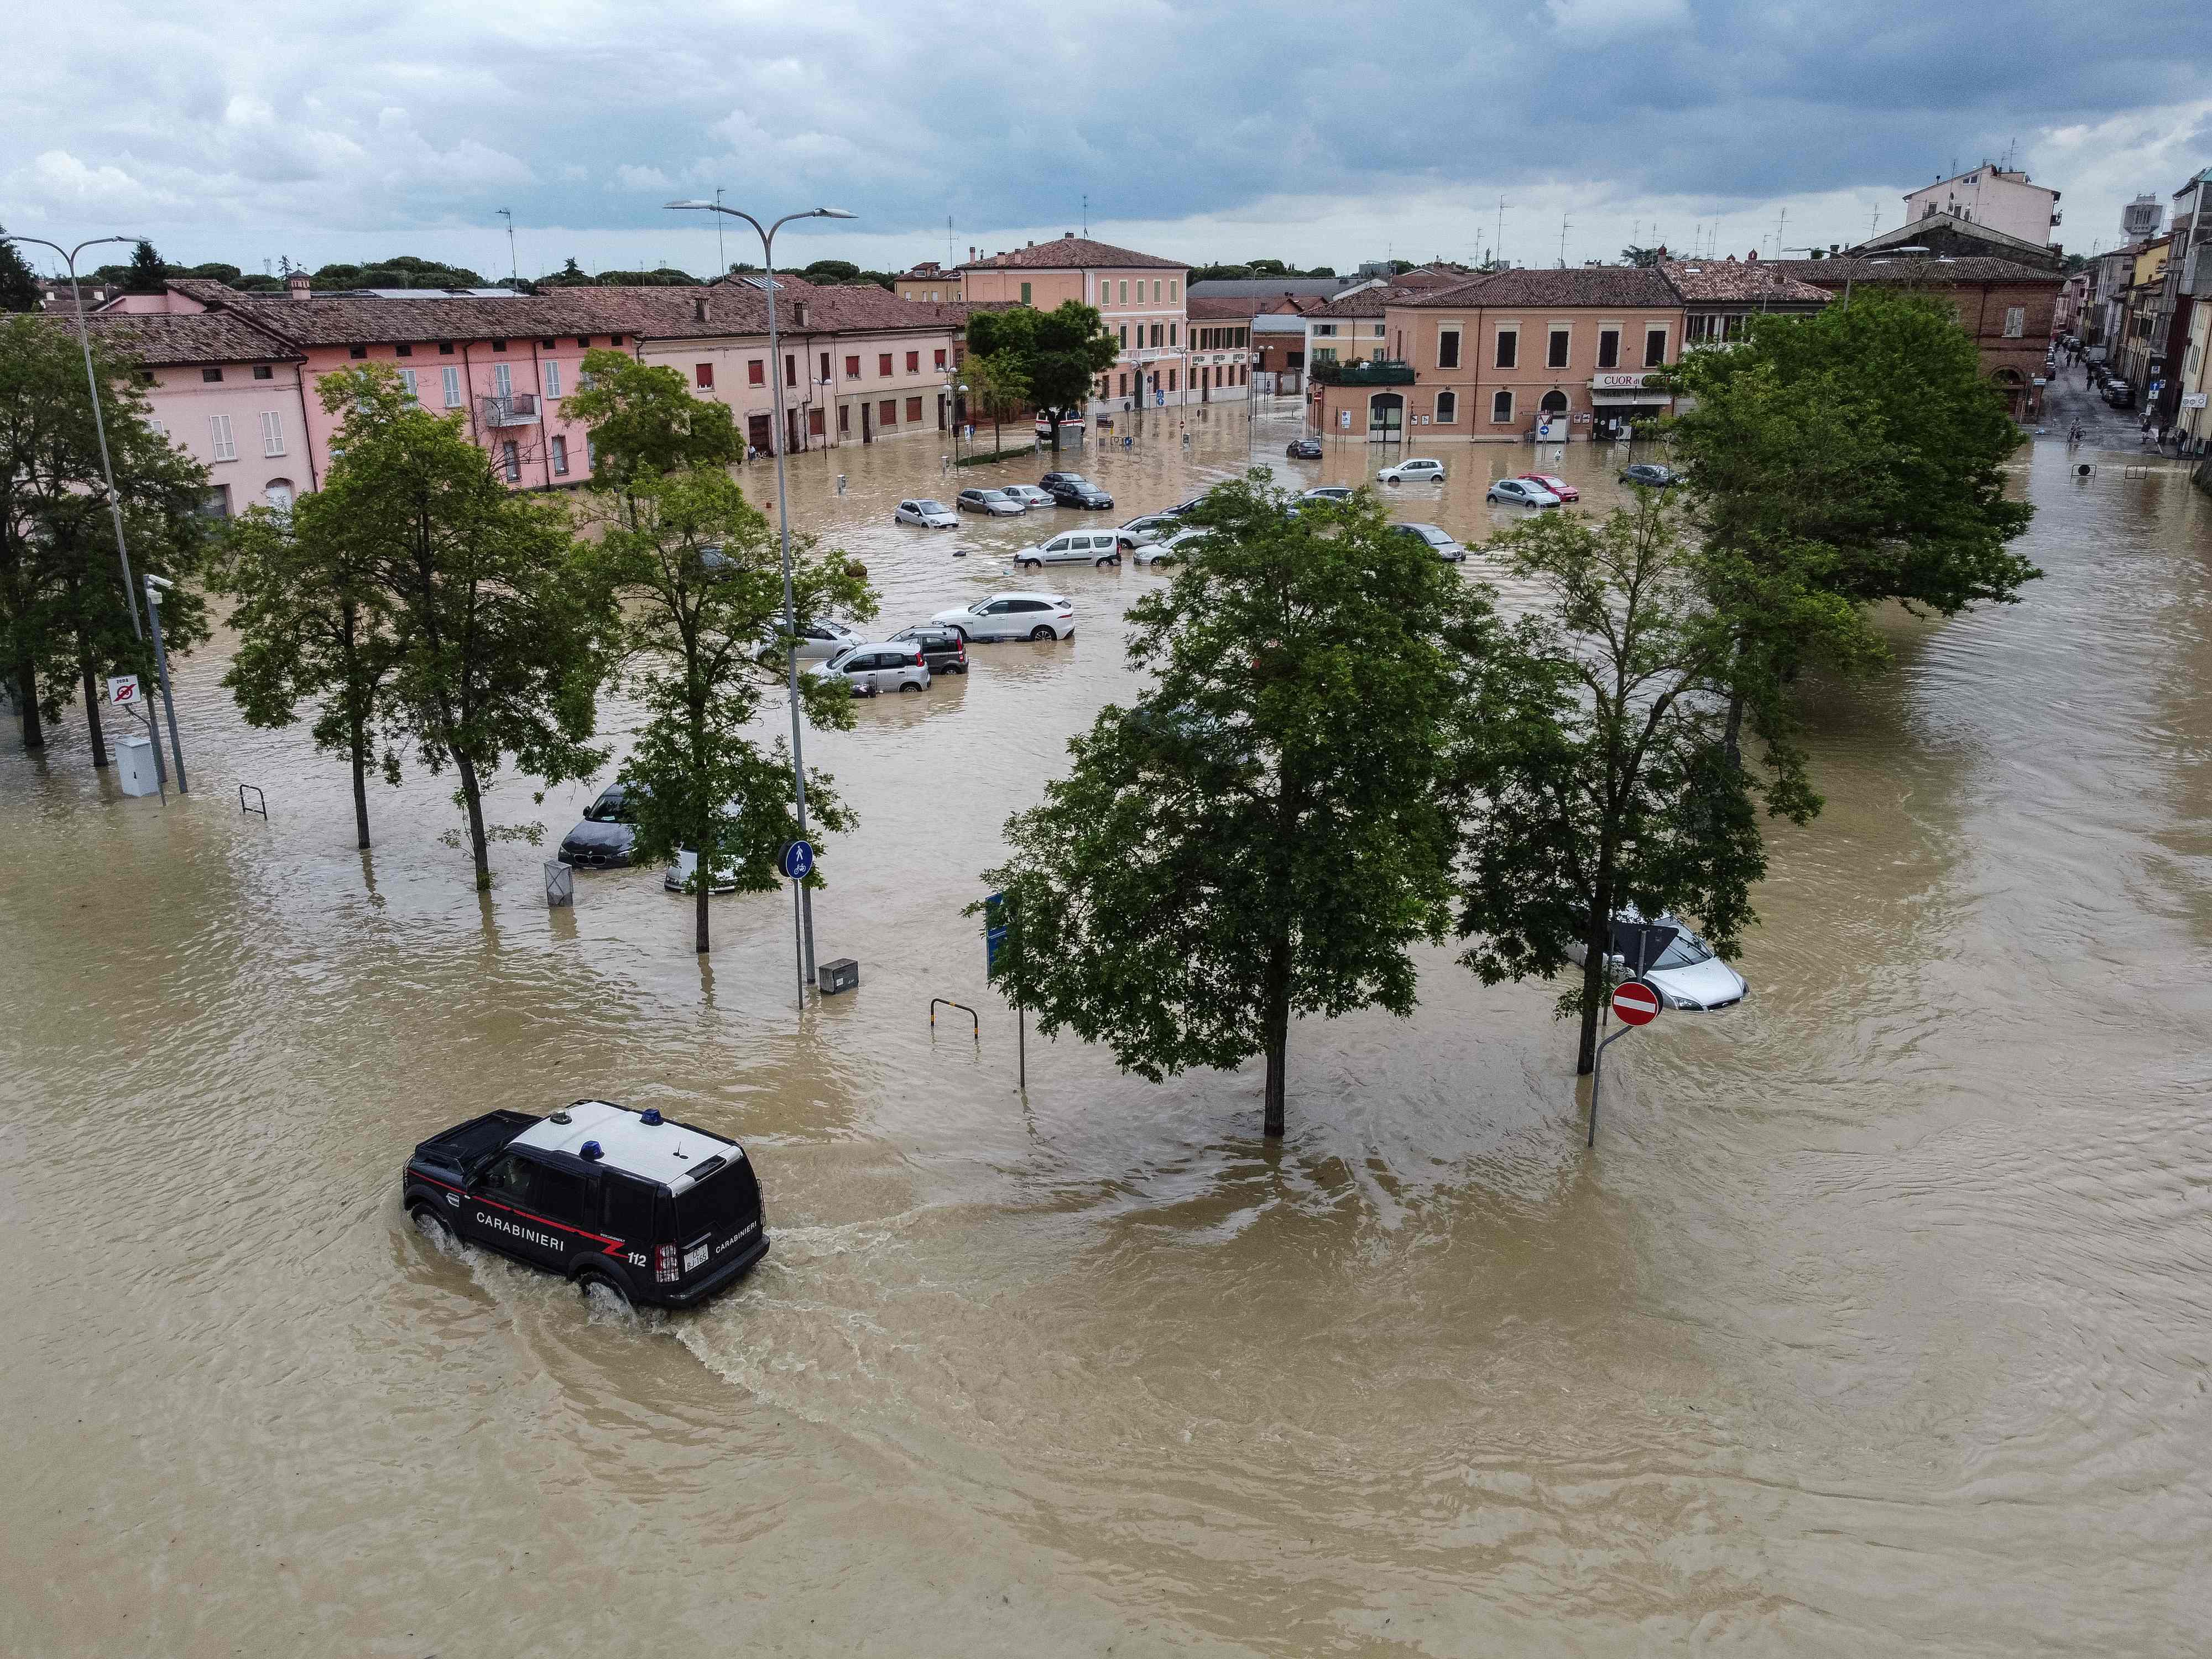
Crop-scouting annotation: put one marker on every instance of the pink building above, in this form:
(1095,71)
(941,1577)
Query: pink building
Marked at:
(1139,295)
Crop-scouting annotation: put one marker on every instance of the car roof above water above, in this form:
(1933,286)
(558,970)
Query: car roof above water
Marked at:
(668,1153)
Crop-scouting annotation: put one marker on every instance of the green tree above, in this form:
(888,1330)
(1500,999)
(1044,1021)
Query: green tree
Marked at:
(1059,353)
(504,642)
(145,274)
(1632,255)
(313,625)
(832,271)
(699,575)
(996,389)
(19,284)
(644,421)
(571,275)
(64,618)
(1267,830)
(1593,763)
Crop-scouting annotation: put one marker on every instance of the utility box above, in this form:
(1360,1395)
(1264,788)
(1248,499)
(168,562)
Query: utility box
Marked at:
(134,766)
(559,884)
(842,975)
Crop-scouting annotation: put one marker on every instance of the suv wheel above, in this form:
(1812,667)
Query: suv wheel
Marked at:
(591,1279)
(433,1225)
(1041,631)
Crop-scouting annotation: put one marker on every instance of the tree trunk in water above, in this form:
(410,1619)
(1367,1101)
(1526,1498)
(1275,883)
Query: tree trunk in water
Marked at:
(92,706)
(1276,1023)
(26,704)
(473,796)
(1597,946)
(706,887)
(360,780)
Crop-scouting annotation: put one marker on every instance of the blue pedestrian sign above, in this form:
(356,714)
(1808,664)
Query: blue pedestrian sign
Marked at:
(798,861)
(994,930)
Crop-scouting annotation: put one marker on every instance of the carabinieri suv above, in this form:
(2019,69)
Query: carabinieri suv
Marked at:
(655,1210)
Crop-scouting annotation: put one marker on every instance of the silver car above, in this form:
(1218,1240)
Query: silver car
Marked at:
(1152,527)
(877,666)
(995,502)
(1030,495)
(818,641)
(1437,539)
(1098,547)
(1676,962)
(930,515)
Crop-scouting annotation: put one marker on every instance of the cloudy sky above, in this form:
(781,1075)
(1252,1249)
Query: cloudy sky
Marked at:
(327,129)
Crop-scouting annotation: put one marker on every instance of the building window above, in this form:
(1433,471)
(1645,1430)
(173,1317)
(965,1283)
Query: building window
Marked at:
(1122,389)
(407,380)
(510,460)
(941,359)
(356,352)
(757,371)
(844,419)
(219,438)
(1325,330)
(591,455)
(1025,292)
(614,339)
(913,410)
(560,457)
(552,380)
(404,349)
(499,345)
(272,433)
(884,365)
(503,381)
(1447,407)
(218,502)
(1155,291)
(548,345)
(1171,287)
(1501,407)
(1509,348)
(2015,321)
(444,348)
(1155,337)
(1171,333)
(1655,347)
(1172,379)
(1448,352)
(887,412)
(1558,358)
(452,378)
(1609,347)
(211,374)
(791,369)
(263,371)
(852,368)
(583,342)
(825,368)
(1125,337)
(703,375)
(914,363)
(1378,331)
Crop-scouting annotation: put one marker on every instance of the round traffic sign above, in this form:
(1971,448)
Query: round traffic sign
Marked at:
(798,861)
(1635,1003)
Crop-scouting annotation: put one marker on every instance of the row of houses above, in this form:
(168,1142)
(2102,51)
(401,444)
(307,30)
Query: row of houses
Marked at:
(233,378)
(2145,309)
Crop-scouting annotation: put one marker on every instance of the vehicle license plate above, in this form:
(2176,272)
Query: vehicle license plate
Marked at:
(694,1257)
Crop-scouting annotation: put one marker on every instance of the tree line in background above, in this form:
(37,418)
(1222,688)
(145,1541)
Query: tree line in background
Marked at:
(1263,268)
(1342,750)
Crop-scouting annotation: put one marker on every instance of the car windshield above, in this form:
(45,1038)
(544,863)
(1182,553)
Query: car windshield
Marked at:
(844,656)
(608,808)
(927,506)
(985,494)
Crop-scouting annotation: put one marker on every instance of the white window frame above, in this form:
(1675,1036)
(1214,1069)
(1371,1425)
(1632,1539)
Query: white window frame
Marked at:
(219,438)
(503,381)
(552,378)
(453,382)
(1666,344)
(2016,323)
(1499,334)
(1447,409)
(1567,329)
(272,432)
(510,460)
(1506,419)
(1324,330)
(408,379)
(1459,346)
(560,448)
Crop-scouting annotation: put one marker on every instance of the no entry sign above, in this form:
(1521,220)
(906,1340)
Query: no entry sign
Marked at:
(1635,1003)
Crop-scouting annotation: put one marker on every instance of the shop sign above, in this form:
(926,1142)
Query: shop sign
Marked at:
(1618,382)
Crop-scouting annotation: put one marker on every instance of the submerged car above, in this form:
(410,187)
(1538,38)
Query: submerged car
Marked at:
(995,502)
(1677,964)
(604,840)
(1413,471)
(930,515)
(1303,449)
(1650,474)
(1437,539)
(1169,549)
(943,650)
(1029,495)
(1100,548)
(1553,482)
(877,666)
(1519,492)
(1072,491)
(644,1208)
(1013,616)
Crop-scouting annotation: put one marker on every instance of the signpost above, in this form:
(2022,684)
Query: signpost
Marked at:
(796,860)
(122,689)
(1637,1003)
(994,940)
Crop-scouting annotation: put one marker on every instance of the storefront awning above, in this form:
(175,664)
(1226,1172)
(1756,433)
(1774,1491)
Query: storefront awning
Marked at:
(1650,399)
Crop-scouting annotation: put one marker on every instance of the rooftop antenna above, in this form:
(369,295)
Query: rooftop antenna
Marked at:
(1086,213)
(1780,218)
(1497,248)
(951,264)
(513,268)
(1564,227)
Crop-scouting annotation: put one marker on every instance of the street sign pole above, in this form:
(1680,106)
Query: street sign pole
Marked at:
(796,861)
(1637,1004)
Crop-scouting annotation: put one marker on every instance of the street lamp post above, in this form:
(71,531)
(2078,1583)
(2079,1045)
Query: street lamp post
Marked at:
(783,513)
(156,586)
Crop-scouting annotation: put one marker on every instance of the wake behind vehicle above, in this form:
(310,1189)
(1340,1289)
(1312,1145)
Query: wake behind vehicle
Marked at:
(1019,616)
(651,1210)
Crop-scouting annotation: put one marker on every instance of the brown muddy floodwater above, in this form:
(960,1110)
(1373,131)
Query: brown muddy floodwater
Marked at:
(1877,1323)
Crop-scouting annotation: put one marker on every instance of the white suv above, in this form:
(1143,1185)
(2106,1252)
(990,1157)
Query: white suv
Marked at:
(1098,547)
(1413,472)
(1013,616)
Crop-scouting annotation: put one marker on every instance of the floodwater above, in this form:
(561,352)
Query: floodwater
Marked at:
(1878,1321)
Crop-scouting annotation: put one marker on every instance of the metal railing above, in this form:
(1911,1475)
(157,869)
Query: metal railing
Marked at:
(519,410)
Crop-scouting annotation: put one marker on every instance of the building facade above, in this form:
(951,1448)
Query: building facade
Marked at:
(1990,195)
(929,282)
(1141,299)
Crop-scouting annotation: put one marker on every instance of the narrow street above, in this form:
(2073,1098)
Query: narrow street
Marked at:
(2070,398)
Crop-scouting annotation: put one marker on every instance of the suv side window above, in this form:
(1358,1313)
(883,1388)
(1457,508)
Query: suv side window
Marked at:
(1027,605)
(628,1210)
(522,1181)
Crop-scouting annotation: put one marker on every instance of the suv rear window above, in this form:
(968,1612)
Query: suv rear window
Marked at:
(721,1204)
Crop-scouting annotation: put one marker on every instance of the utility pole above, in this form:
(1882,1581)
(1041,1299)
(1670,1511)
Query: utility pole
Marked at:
(1497,248)
(721,256)
(513,265)
(1564,227)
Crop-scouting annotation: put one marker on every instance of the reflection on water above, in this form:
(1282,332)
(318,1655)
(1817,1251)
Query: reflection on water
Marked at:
(1878,1324)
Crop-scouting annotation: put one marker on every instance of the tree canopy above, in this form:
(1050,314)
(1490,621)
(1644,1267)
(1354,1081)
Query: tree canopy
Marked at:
(644,420)
(1265,832)
(1059,353)
(19,284)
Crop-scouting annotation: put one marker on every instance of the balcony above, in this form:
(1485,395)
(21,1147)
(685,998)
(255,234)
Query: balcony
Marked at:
(520,409)
(1382,371)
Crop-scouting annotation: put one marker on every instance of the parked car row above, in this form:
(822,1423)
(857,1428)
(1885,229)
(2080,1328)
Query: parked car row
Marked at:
(1006,501)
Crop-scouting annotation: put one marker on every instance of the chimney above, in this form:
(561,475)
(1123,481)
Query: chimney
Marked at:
(1068,236)
(298,286)
(1753,255)
(699,308)
(1031,243)
(798,313)
(1834,248)
(971,253)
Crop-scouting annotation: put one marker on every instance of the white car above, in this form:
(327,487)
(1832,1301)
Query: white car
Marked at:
(930,515)
(878,666)
(1519,492)
(818,641)
(1098,547)
(1013,616)
(1150,528)
(1169,550)
(1679,965)
(1413,472)
(1029,495)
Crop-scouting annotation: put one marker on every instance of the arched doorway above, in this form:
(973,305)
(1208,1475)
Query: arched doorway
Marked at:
(1555,403)
(1386,418)
(2008,381)
(279,494)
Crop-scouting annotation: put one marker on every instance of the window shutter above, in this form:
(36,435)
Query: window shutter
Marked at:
(272,433)
(452,377)
(407,380)
(552,380)
(219,437)
(502,380)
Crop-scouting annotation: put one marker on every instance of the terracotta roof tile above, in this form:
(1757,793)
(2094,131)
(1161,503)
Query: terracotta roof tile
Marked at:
(1071,253)
(159,340)
(1702,280)
(1615,287)
(1915,271)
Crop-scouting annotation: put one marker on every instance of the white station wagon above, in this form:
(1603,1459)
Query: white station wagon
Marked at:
(1413,472)
(1098,547)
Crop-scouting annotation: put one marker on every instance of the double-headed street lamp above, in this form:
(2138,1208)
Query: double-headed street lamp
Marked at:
(783,513)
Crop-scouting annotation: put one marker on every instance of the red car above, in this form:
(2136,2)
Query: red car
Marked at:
(1558,486)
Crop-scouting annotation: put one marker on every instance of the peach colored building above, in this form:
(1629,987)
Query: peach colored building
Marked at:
(929,282)
(1138,295)
(1500,357)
